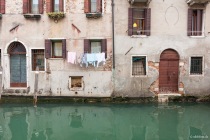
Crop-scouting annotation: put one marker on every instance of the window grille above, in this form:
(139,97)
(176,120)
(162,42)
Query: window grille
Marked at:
(138,65)
(196,65)
(38,59)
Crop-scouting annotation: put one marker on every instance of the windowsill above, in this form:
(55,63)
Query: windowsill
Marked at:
(138,76)
(38,71)
(202,36)
(139,36)
(32,16)
(55,58)
(93,15)
(76,89)
(196,75)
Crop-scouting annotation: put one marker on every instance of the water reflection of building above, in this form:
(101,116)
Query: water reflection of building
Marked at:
(113,123)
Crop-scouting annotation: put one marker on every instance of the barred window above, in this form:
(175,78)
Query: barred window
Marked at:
(196,65)
(138,65)
(38,59)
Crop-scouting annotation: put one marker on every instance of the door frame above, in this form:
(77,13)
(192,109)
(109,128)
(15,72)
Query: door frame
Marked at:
(6,65)
(176,58)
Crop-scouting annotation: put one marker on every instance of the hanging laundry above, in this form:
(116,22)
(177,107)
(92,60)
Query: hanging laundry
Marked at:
(100,57)
(72,57)
(91,58)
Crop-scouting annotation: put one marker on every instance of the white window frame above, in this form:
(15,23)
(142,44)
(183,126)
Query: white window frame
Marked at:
(30,60)
(76,88)
(203,24)
(202,65)
(145,66)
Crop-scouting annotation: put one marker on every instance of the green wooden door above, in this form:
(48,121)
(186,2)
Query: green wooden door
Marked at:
(18,70)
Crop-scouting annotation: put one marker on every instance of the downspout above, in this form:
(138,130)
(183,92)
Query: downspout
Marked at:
(113,51)
(113,44)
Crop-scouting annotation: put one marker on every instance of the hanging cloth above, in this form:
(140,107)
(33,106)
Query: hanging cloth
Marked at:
(72,57)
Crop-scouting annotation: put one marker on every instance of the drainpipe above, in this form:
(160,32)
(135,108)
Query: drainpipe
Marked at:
(113,49)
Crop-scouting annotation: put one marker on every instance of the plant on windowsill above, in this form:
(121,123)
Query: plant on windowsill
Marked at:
(93,15)
(0,15)
(56,15)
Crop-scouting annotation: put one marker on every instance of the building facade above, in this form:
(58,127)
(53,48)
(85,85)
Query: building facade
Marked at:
(159,47)
(67,40)
(162,46)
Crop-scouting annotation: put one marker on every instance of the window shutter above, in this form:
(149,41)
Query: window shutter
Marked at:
(61,5)
(199,22)
(189,22)
(64,48)
(99,6)
(104,46)
(148,21)
(87,6)
(47,48)
(2,6)
(130,21)
(86,46)
(25,6)
(40,6)
(48,6)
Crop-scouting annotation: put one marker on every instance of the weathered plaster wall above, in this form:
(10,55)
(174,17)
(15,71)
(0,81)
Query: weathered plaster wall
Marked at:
(32,34)
(168,30)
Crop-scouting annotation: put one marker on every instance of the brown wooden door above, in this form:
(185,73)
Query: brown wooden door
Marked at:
(168,71)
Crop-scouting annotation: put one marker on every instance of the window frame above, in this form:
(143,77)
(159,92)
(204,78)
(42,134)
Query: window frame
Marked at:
(50,5)
(49,48)
(99,7)
(87,45)
(27,8)
(147,22)
(53,48)
(146,66)
(32,69)
(76,88)
(190,22)
(190,64)
(31,7)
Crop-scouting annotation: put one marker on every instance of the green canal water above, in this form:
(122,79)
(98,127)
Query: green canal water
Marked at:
(105,122)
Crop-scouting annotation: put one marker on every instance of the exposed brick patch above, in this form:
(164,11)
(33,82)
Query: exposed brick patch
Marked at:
(153,86)
(152,64)
(181,85)
(108,64)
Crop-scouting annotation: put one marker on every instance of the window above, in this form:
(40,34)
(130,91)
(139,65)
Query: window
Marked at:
(139,21)
(95,46)
(93,6)
(38,59)
(32,6)
(54,6)
(55,48)
(76,82)
(138,65)
(2,6)
(195,18)
(196,65)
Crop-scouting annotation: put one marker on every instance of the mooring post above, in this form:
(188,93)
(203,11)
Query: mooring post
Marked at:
(36,85)
(1,70)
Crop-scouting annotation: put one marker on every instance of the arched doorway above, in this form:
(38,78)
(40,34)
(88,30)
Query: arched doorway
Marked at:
(17,64)
(168,71)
